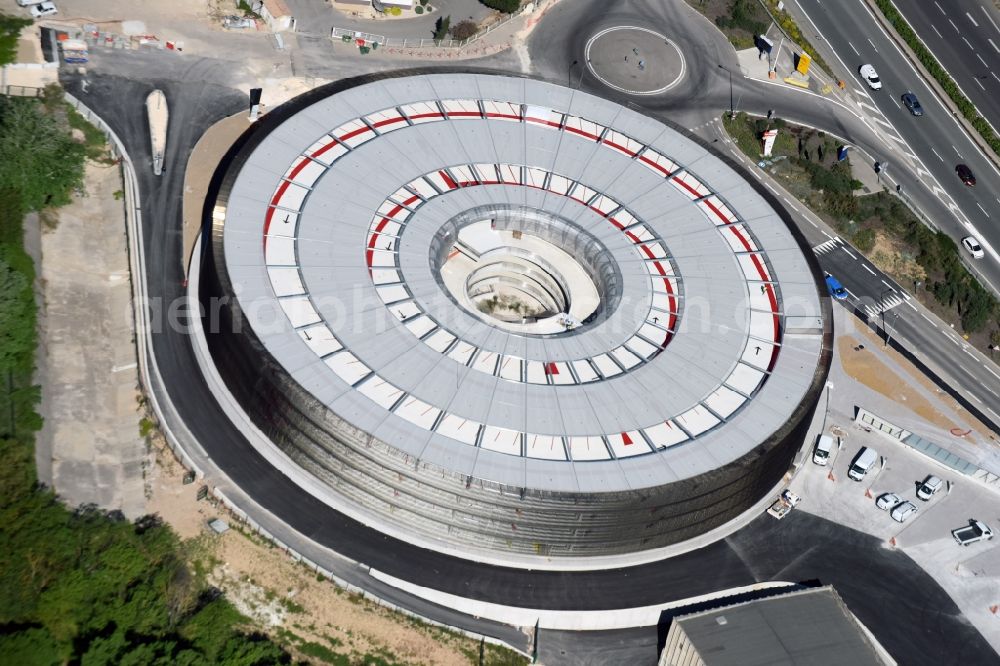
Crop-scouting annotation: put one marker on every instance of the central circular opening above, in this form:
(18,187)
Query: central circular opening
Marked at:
(525,270)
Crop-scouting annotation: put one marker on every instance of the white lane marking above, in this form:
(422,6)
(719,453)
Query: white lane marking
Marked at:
(954,26)
(980,84)
(990,18)
(989,370)
(911,304)
(995,48)
(991,411)
(929,320)
(888,285)
(969,44)
(956,151)
(849,253)
(973,396)
(982,209)
(853,49)
(981,60)
(826,234)
(972,19)
(994,73)
(936,155)
(939,7)
(895,102)
(990,390)
(772,188)
(867,269)
(790,204)
(873,45)
(936,30)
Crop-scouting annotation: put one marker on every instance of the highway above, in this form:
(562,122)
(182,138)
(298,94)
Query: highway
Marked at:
(964,35)
(868,576)
(931,145)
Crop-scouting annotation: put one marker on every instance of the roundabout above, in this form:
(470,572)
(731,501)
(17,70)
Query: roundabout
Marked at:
(634,60)
(504,317)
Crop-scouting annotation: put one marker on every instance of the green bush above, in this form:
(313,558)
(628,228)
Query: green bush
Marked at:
(505,6)
(744,15)
(419,9)
(441,27)
(864,240)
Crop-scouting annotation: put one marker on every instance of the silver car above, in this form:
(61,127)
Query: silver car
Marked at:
(886,501)
(903,511)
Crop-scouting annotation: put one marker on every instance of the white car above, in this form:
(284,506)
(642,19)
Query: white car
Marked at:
(928,487)
(971,243)
(886,501)
(869,74)
(43,9)
(903,511)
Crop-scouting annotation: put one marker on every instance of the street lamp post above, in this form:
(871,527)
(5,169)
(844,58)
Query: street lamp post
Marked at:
(732,111)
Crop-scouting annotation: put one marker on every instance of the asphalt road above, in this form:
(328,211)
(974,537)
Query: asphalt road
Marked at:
(805,548)
(964,35)
(932,144)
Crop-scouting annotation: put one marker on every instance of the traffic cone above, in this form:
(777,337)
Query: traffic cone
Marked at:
(868,493)
(830,476)
(892,542)
(993,609)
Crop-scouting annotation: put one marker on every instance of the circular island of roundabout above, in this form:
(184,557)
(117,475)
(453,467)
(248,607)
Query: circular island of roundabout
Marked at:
(506,319)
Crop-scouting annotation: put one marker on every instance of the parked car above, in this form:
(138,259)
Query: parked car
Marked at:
(28,3)
(911,102)
(869,74)
(902,511)
(971,243)
(886,501)
(836,289)
(862,463)
(43,9)
(821,454)
(928,487)
(965,173)
(973,532)
(237,22)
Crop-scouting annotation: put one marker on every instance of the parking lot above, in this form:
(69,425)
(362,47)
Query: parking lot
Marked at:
(970,574)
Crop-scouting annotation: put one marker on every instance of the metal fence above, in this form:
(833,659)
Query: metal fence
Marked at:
(22,91)
(338,34)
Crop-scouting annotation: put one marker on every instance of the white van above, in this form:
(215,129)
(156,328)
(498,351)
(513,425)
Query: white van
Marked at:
(821,454)
(862,463)
(28,3)
(928,487)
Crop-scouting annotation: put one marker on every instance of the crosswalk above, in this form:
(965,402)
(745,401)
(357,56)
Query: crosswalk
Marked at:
(828,246)
(888,303)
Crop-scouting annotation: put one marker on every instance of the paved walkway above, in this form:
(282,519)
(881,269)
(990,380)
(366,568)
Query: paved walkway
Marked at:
(87,363)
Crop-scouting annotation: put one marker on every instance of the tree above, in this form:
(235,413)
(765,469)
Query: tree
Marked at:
(441,27)
(505,6)
(10,29)
(464,30)
(38,157)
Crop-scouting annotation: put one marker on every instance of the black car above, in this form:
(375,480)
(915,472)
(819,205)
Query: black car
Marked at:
(912,103)
(965,173)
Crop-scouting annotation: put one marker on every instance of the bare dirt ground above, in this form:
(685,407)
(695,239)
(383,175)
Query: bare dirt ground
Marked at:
(910,389)
(286,599)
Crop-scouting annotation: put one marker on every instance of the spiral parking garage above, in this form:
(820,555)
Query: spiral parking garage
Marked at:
(503,316)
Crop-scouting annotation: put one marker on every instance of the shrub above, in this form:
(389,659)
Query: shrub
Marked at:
(864,240)
(441,27)
(743,15)
(464,30)
(419,9)
(505,6)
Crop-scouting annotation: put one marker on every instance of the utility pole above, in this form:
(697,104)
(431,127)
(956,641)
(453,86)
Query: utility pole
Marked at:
(732,111)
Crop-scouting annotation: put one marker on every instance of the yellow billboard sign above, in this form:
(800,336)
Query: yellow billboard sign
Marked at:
(803,66)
